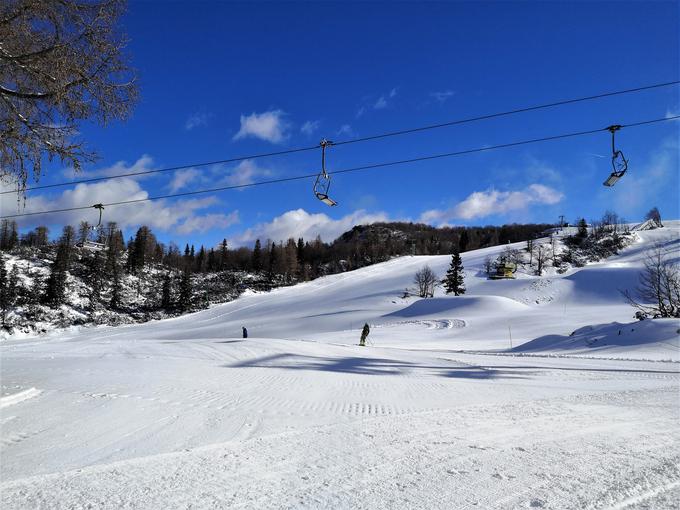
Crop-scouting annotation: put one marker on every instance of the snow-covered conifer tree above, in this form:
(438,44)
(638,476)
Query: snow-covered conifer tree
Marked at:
(454,280)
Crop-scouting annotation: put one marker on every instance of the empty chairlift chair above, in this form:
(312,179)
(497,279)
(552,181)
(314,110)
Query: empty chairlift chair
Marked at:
(323,180)
(96,241)
(619,162)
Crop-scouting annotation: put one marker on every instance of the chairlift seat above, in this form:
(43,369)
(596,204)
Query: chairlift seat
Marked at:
(321,187)
(93,245)
(613,178)
(323,181)
(326,199)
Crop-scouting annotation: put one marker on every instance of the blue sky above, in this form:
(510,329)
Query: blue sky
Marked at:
(221,79)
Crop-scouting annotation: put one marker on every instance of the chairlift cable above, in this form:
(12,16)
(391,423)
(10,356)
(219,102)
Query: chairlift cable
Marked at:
(350,141)
(347,170)
(509,112)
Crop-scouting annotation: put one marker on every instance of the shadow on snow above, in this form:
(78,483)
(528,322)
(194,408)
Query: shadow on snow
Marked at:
(375,366)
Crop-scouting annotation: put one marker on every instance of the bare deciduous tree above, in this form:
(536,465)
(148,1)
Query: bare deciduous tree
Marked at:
(61,62)
(530,249)
(553,246)
(425,279)
(541,256)
(658,293)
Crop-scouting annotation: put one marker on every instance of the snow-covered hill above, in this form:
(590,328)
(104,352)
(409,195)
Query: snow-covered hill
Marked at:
(437,412)
(493,314)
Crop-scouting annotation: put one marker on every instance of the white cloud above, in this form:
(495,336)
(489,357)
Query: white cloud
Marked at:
(309,127)
(382,100)
(442,95)
(672,113)
(184,215)
(269,126)
(300,223)
(208,222)
(244,173)
(380,103)
(345,129)
(197,120)
(183,177)
(486,203)
(143,164)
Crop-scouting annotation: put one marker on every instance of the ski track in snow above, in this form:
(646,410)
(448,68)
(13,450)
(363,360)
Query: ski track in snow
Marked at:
(476,457)
(437,413)
(16,398)
(429,324)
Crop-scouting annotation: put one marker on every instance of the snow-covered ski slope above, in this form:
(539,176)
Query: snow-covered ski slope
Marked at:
(438,412)
(491,315)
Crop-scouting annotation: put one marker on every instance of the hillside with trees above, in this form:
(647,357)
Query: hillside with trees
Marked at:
(49,282)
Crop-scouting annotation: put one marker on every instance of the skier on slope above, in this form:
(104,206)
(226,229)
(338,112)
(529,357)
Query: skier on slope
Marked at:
(245,332)
(364,335)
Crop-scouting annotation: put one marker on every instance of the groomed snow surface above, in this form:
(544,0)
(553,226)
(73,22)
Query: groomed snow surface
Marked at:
(527,393)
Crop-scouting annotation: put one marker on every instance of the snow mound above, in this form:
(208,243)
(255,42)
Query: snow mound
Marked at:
(659,338)
(461,305)
(603,284)
(15,398)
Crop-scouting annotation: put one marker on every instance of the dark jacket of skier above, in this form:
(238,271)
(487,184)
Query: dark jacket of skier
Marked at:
(364,335)
(245,332)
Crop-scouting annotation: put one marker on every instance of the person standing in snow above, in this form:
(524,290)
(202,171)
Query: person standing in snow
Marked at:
(245,332)
(364,335)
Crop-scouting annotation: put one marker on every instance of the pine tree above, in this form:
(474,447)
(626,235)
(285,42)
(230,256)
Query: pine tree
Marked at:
(115,287)
(4,297)
(301,251)
(84,230)
(55,293)
(185,291)
(201,260)
(9,235)
(131,264)
(291,259)
(257,256)
(166,300)
(212,264)
(453,283)
(4,235)
(273,262)
(96,278)
(582,228)
(463,241)
(224,254)
(9,290)
(144,246)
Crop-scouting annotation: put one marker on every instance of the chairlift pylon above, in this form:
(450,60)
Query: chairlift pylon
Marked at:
(619,162)
(323,180)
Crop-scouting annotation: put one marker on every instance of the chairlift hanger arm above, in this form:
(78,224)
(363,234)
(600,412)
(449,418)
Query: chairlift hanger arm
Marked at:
(324,143)
(613,129)
(100,207)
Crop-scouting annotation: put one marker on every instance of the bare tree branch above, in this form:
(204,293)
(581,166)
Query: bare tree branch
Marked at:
(61,62)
